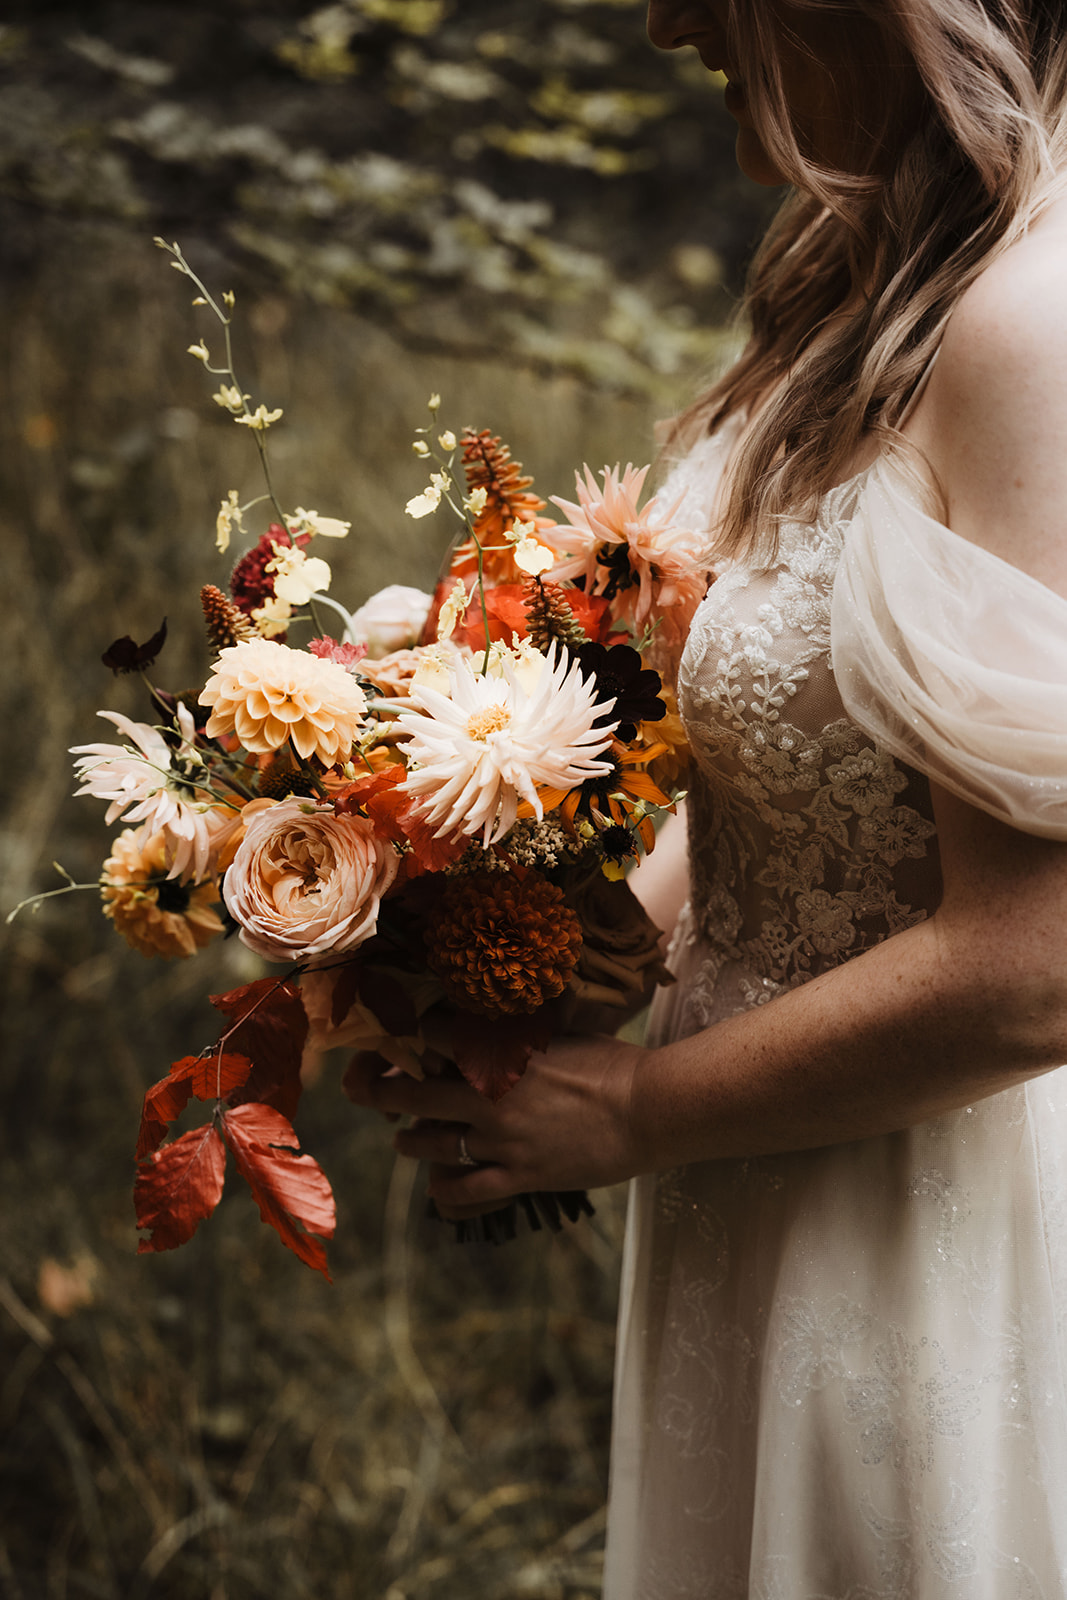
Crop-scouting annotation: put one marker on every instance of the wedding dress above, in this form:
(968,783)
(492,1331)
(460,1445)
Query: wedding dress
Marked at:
(841,1371)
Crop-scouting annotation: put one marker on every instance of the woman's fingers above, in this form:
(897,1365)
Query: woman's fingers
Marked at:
(365,1067)
(455,1190)
(370,1081)
(445,1143)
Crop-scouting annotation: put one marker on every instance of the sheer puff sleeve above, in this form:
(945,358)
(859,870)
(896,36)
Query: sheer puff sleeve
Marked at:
(953,660)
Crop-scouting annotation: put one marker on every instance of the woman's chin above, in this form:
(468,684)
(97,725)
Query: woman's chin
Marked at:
(754,161)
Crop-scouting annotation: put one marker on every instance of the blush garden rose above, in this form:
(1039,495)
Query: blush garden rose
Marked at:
(305,883)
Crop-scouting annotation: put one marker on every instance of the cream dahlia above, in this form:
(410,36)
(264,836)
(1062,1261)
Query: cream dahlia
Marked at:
(305,882)
(475,754)
(268,694)
(146,781)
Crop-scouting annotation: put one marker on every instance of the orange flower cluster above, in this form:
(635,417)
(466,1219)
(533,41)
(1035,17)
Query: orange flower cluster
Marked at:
(502,942)
(489,466)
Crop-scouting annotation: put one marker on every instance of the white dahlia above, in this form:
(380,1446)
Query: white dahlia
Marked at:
(476,753)
(148,782)
(268,694)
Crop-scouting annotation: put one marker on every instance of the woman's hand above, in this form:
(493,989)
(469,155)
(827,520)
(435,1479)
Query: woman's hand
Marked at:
(566,1124)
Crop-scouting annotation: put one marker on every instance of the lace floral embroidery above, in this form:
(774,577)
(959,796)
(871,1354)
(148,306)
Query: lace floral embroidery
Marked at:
(784,780)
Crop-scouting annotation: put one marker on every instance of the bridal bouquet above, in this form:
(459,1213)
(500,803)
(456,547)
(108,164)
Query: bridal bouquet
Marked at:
(431,802)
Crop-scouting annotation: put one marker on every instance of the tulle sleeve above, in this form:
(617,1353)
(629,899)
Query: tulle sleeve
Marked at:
(953,659)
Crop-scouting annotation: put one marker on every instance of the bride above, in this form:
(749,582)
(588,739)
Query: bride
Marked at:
(841,1363)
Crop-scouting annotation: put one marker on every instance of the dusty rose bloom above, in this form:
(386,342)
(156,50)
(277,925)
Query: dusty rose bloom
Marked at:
(392,674)
(305,883)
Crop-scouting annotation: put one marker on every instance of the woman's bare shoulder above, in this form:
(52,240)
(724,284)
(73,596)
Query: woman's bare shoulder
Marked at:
(1015,313)
(993,422)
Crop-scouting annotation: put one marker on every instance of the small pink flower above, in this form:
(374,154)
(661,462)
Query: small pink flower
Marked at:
(306,883)
(346,655)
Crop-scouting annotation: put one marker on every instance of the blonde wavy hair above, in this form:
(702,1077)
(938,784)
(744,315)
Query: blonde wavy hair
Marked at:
(956,149)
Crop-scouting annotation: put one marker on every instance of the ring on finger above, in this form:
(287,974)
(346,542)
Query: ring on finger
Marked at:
(464,1156)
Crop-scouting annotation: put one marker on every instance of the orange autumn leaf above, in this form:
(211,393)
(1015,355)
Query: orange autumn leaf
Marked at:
(271,1027)
(178,1187)
(205,1077)
(397,815)
(428,852)
(354,796)
(291,1190)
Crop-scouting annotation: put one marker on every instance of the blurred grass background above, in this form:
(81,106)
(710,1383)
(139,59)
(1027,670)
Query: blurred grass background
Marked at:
(221,1422)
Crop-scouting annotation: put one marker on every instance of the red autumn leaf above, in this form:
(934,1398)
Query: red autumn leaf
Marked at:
(163,1102)
(207,1077)
(178,1187)
(289,1188)
(126,655)
(238,1003)
(389,811)
(272,1031)
(430,853)
(492,1052)
(355,795)
(395,814)
(213,1077)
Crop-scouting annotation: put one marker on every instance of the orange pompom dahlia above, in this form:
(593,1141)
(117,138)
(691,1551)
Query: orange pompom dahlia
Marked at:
(501,943)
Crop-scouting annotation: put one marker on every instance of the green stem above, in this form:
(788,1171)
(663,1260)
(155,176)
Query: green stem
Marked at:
(229,372)
(309,771)
(49,894)
(481,593)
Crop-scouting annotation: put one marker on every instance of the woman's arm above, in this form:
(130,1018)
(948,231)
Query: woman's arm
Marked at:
(952,1010)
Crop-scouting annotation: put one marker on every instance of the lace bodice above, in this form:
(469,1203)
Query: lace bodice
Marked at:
(808,842)
(842,1372)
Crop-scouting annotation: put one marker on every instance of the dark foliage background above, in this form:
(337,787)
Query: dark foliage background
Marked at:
(521,206)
